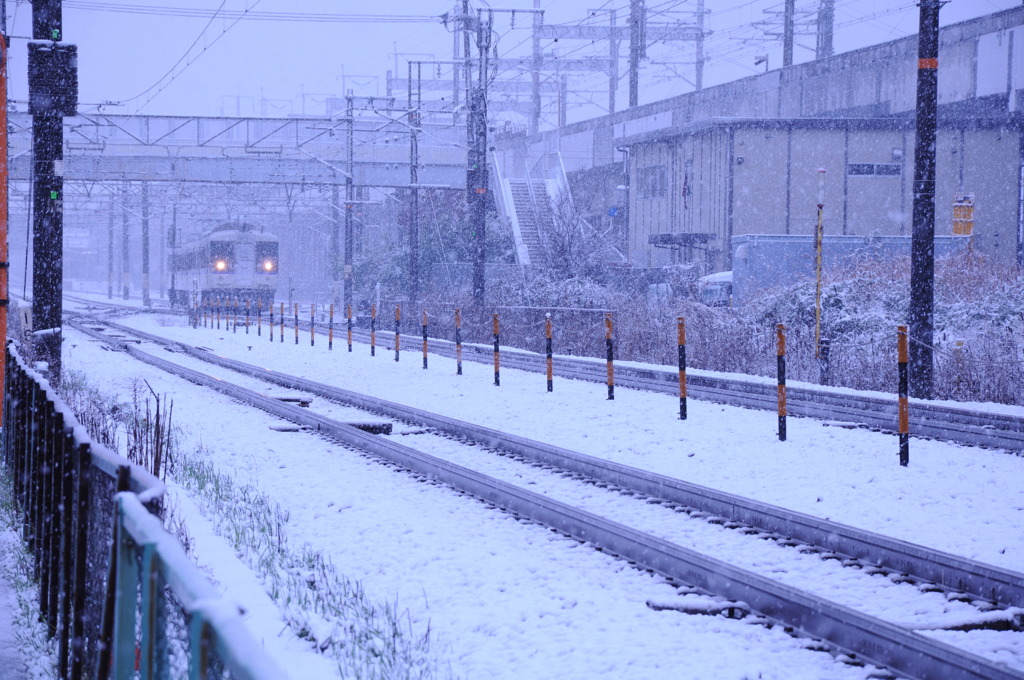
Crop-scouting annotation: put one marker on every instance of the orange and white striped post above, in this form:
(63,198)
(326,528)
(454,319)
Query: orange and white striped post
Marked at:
(259,317)
(373,329)
(295,317)
(548,351)
(780,336)
(348,311)
(904,391)
(312,324)
(282,323)
(330,328)
(458,342)
(497,360)
(609,346)
(425,319)
(681,339)
(398,330)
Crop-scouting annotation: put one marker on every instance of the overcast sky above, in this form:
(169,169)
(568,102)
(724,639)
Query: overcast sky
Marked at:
(175,57)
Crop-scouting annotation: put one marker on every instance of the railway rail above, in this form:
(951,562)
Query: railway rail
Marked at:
(944,421)
(874,639)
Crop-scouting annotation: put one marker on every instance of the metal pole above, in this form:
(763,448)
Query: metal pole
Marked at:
(922,256)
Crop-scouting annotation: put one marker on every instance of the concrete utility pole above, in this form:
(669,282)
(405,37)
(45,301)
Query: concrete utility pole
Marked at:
(146,302)
(349,198)
(788,17)
(826,23)
(637,47)
(538,19)
(476,174)
(414,190)
(126,260)
(53,94)
(922,254)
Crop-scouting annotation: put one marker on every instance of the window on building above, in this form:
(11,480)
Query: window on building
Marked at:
(874,169)
(652,182)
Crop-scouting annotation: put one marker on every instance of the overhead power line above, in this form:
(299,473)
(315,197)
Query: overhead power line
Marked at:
(167,10)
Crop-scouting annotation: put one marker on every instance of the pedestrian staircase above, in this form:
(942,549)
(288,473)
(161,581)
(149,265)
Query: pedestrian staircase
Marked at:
(532,207)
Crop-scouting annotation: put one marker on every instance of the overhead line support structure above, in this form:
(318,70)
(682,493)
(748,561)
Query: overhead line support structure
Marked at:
(922,247)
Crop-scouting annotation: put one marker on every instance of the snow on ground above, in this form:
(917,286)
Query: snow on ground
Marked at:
(506,599)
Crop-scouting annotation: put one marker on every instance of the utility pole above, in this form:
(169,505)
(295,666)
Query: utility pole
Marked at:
(173,243)
(476,175)
(53,94)
(110,251)
(348,201)
(333,245)
(788,17)
(826,22)
(613,64)
(414,191)
(637,47)
(146,302)
(699,70)
(922,253)
(538,19)
(126,261)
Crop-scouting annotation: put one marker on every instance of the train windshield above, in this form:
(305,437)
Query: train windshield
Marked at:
(222,256)
(266,257)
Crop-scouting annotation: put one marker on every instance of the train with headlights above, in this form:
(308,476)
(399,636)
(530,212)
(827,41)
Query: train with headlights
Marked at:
(234,261)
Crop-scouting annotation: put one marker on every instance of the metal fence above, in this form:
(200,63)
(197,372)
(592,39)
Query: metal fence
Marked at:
(115,589)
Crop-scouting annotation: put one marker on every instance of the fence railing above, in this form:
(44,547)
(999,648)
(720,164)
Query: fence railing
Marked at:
(115,589)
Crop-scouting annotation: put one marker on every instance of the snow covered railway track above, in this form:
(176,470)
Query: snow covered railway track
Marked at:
(873,639)
(927,419)
(902,559)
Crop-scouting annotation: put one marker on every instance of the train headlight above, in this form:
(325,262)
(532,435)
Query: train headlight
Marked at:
(221,265)
(268,266)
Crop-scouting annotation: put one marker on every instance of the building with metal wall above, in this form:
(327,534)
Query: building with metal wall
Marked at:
(694,189)
(742,157)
